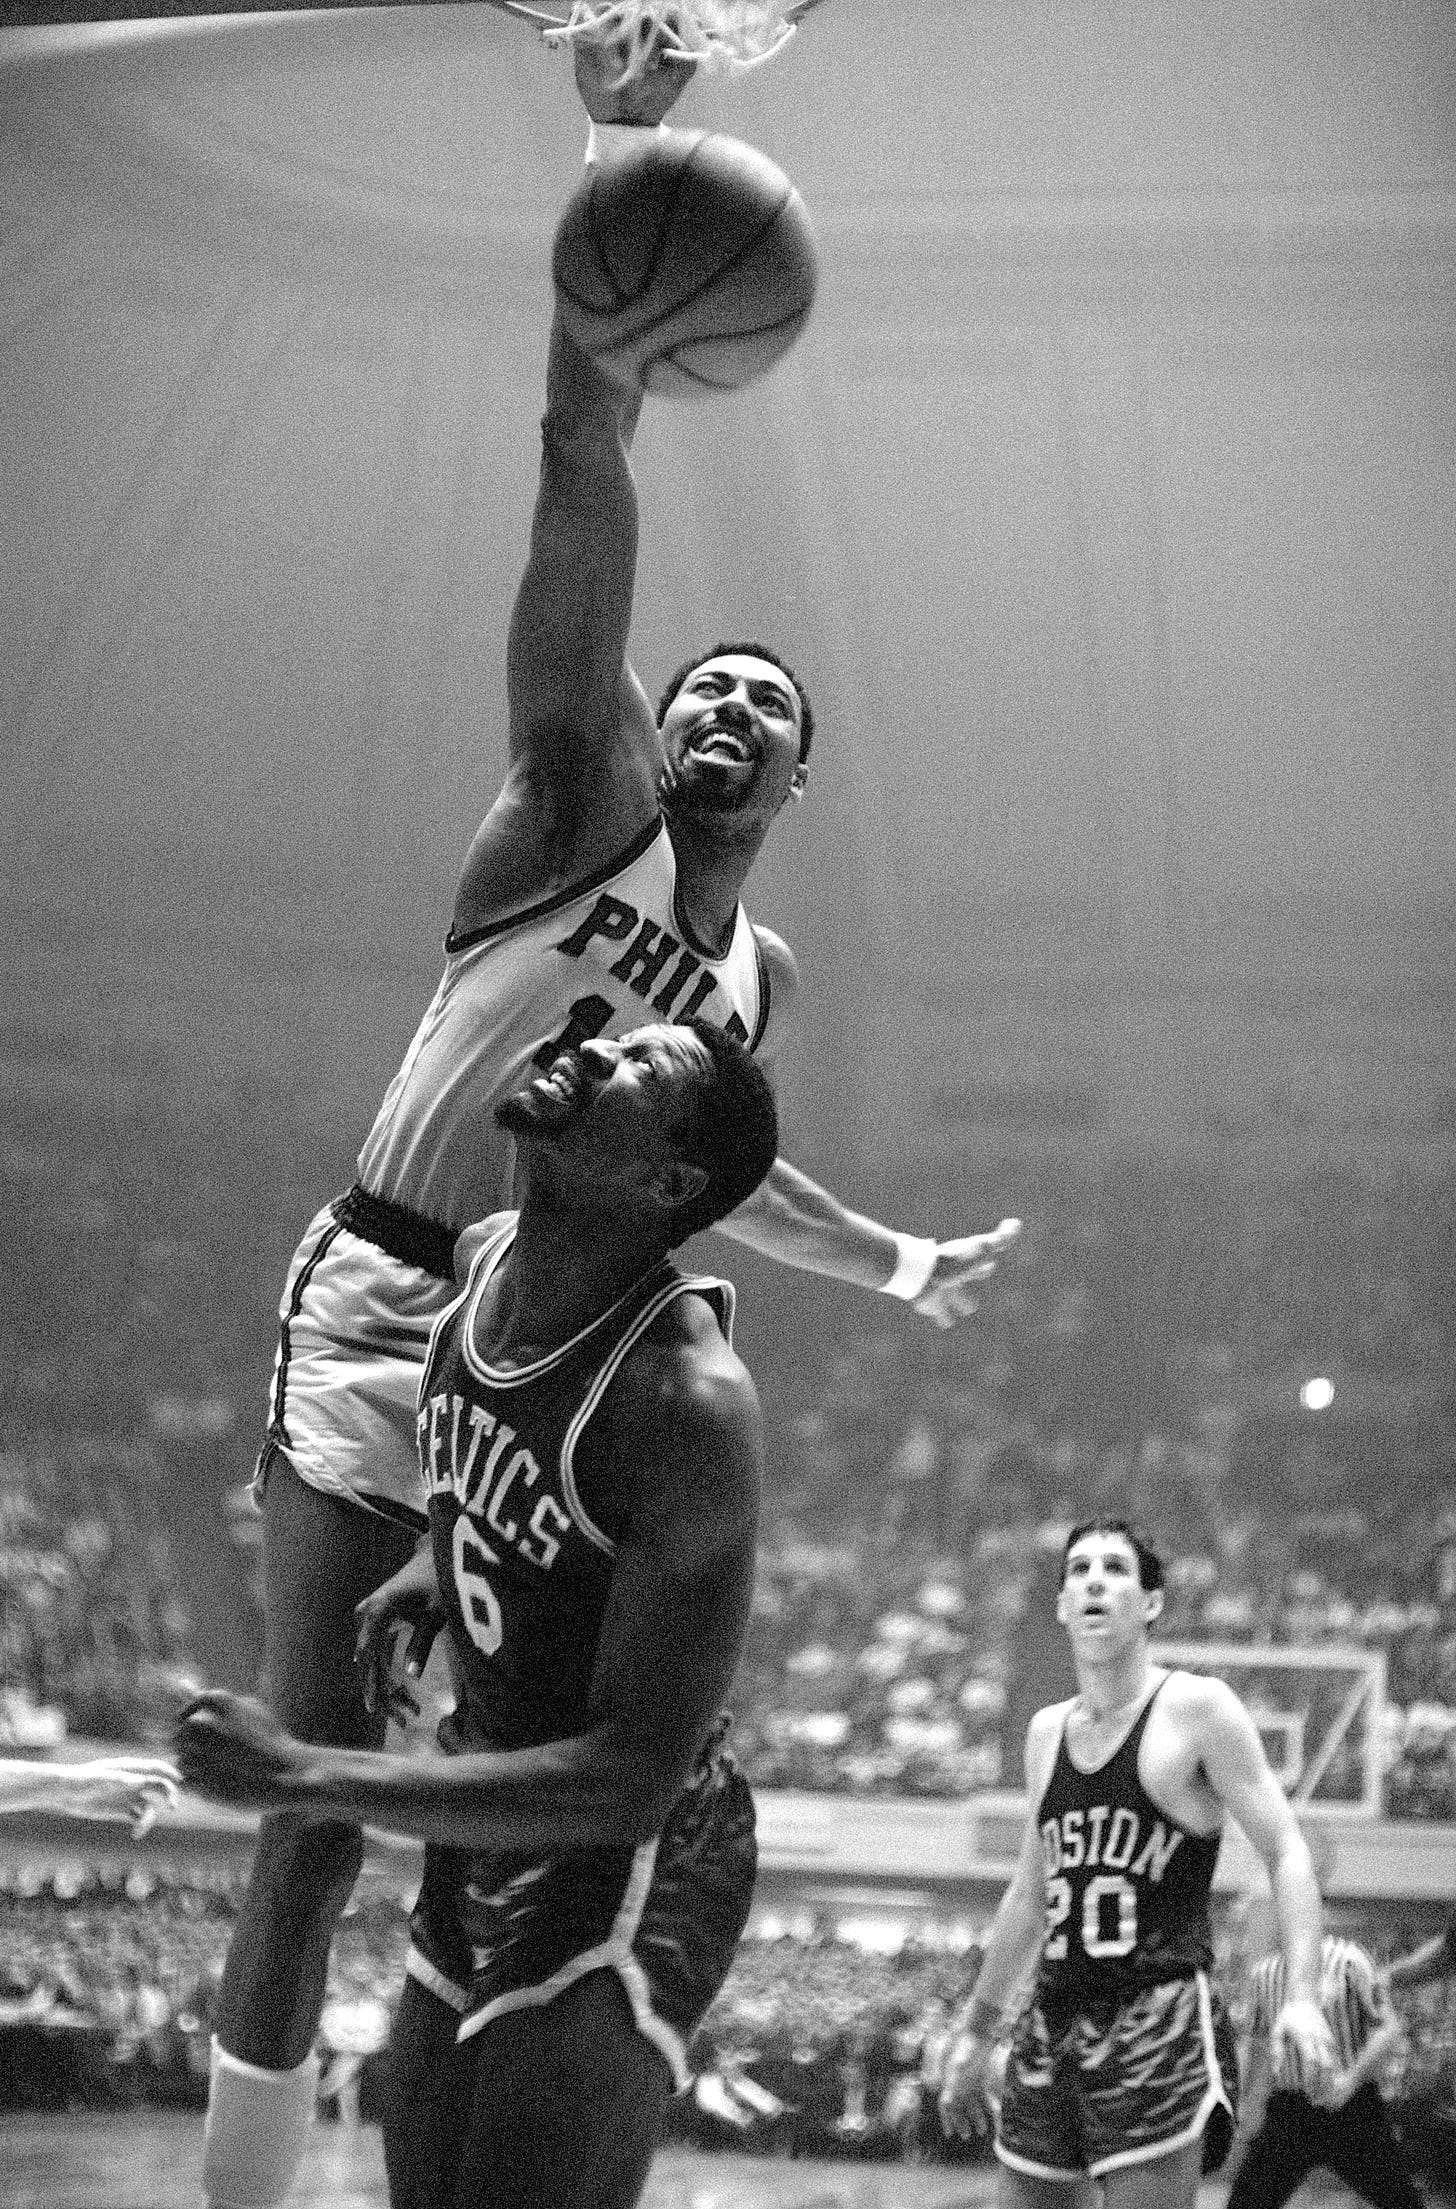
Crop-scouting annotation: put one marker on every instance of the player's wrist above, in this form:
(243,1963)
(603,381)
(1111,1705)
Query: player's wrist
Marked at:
(609,143)
(914,1264)
(312,1780)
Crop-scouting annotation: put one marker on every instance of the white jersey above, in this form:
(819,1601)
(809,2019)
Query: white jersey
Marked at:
(599,958)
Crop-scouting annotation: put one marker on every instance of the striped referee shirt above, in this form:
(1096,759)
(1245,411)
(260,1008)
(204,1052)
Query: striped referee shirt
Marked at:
(1351,1997)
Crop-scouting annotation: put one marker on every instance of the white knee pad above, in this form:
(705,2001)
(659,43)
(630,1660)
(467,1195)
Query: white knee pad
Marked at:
(257,2126)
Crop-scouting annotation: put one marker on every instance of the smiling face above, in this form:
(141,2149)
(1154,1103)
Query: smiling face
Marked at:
(1103,1604)
(731,740)
(614,1110)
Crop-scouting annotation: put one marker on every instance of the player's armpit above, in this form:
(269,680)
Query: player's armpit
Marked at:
(783,987)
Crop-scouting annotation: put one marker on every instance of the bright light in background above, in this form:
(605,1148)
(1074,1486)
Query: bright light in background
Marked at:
(1318,1394)
(877,1936)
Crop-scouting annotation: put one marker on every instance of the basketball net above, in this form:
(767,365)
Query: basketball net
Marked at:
(712,34)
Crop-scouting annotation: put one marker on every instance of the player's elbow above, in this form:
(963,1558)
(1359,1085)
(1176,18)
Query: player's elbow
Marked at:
(1290,1858)
(653,1798)
(632,1814)
(647,1779)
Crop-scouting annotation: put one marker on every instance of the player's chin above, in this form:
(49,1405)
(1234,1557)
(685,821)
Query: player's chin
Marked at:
(526,1113)
(705,799)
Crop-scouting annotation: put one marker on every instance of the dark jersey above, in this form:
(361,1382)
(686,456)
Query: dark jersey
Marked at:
(1126,1886)
(523,1545)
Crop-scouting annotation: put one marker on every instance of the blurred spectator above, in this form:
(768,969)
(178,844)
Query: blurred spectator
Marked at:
(94,1630)
(816,2045)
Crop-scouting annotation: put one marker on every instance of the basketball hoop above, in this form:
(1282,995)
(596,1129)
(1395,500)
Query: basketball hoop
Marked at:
(709,34)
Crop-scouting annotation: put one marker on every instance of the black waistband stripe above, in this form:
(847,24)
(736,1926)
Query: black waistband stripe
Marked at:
(395,1229)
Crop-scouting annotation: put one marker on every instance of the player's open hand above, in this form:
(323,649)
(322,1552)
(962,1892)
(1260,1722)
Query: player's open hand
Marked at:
(232,1748)
(1302,2051)
(970,2089)
(657,43)
(622,81)
(395,1632)
(131,1789)
(961,1270)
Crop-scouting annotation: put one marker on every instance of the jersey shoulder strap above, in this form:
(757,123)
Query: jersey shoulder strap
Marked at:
(662,1287)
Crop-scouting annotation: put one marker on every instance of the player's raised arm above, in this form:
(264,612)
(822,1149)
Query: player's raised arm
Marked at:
(568,679)
(580,725)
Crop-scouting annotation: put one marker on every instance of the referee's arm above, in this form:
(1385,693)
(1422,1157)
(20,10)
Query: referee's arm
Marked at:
(1378,2050)
(1432,1960)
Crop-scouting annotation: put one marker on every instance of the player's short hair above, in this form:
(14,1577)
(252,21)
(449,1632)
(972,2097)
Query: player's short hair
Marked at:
(732,1131)
(1149,1563)
(744,648)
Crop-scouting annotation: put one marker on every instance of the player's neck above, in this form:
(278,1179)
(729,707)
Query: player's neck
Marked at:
(562,1273)
(711,873)
(1110,1691)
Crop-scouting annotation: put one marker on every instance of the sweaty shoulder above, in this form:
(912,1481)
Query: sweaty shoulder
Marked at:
(686,1363)
(684,1404)
(1199,1701)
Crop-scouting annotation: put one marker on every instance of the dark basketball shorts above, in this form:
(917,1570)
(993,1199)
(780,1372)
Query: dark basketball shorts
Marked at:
(496,1932)
(1089,2091)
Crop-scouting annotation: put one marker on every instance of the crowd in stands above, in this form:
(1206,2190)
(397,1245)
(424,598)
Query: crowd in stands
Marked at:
(825,2040)
(1143,1354)
(95,1633)
(903,1619)
(919,1490)
(898,1669)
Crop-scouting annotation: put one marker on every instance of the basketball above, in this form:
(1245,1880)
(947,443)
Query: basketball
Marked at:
(688,268)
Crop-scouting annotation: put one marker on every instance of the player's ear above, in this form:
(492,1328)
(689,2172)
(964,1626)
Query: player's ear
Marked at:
(1062,1604)
(799,781)
(1152,1604)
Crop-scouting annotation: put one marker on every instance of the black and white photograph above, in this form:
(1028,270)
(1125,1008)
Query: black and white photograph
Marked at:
(728,1104)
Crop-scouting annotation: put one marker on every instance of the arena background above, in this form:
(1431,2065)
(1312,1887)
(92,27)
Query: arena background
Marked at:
(1106,507)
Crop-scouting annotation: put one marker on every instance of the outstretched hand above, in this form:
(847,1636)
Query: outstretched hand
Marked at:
(960,1271)
(131,1787)
(232,1748)
(396,1628)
